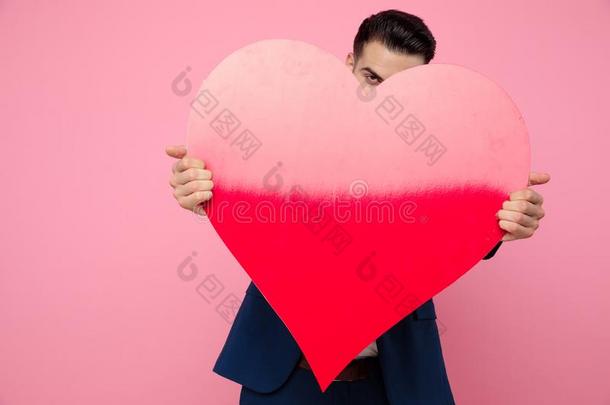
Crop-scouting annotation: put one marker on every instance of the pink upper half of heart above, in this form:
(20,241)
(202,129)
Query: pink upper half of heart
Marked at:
(293,113)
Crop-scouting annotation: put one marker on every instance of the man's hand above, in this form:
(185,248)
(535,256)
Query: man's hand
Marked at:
(520,215)
(192,183)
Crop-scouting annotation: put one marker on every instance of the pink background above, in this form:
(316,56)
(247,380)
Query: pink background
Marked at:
(91,308)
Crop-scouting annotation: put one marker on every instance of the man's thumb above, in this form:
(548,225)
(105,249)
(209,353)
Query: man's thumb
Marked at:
(536,178)
(176,151)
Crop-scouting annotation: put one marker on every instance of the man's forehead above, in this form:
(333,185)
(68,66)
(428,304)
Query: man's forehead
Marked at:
(376,57)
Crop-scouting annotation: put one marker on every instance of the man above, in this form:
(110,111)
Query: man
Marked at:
(403,366)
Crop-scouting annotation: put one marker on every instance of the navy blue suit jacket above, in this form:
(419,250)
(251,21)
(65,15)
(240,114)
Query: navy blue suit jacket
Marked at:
(260,353)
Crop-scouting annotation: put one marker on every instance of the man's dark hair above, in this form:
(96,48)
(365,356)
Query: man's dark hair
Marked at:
(399,32)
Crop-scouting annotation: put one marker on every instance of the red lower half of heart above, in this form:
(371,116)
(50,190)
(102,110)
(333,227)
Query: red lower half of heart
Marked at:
(340,272)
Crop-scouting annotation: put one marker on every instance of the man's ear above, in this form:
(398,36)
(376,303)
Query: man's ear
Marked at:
(349,61)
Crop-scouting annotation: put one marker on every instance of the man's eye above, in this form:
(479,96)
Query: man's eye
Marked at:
(372,80)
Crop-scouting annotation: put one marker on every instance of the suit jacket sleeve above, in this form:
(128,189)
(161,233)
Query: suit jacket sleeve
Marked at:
(493,251)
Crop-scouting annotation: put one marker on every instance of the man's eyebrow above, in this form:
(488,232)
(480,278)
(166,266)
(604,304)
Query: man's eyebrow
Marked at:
(377,75)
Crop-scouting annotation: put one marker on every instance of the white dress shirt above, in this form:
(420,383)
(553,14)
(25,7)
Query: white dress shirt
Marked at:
(369,351)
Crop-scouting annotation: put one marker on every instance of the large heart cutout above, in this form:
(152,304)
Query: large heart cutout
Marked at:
(349,207)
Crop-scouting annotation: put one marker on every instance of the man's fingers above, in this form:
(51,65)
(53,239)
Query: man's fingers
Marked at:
(524,207)
(518,217)
(192,200)
(187,163)
(508,237)
(536,178)
(191,174)
(516,230)
(193,187)
(528,195)
(176,151)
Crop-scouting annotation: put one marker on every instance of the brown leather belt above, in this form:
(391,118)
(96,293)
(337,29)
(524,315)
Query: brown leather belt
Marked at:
(357,369)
